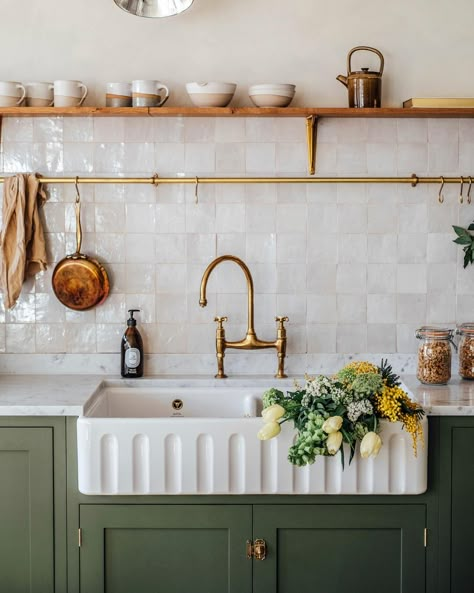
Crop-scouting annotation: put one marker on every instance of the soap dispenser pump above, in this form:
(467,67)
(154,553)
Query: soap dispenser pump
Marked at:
(131,349)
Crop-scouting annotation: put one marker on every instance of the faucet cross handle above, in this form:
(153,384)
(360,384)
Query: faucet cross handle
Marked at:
(220,321)
(281,321)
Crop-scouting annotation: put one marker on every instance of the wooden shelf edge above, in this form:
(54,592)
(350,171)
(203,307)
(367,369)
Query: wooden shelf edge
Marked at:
(384,112)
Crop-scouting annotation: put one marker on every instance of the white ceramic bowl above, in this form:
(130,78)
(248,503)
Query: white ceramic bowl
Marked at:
(273,87)
(272,95)
(211,94)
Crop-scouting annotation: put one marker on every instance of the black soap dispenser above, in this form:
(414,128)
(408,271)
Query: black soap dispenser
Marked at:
(131,350)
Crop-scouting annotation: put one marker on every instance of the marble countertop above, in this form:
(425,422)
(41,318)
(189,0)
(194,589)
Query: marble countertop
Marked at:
(67,395)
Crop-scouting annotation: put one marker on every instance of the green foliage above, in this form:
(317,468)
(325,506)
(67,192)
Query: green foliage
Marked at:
(272,396)
(465,238)
(367,384)
(391,379)
(350,395)
(346,376)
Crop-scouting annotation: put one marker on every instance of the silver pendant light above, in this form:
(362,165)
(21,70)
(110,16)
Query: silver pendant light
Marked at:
(154,8)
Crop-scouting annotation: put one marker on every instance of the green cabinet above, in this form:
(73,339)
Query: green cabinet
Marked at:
(456,505)
(462,513)
(33,505)
(335,548)
(26,510)
(202,548)
(165,548)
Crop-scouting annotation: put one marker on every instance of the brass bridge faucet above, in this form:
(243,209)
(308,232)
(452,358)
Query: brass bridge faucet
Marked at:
(250,342)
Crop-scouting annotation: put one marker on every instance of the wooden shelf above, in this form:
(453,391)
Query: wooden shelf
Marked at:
(385,112)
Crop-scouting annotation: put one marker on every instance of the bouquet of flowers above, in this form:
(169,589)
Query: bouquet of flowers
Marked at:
(345,408)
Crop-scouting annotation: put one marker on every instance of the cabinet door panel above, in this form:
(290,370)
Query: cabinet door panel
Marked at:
(26,510)
(165,549)
(335,548)
(462,515)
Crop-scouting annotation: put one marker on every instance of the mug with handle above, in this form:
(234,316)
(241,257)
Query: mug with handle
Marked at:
(39,94)
(68,93)
(146,93)
(9,95)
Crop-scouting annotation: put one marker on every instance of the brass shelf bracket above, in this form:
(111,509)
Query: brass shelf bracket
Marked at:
(311,141)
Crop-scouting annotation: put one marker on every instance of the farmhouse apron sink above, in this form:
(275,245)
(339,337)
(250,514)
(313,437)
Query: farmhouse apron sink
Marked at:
(154,439)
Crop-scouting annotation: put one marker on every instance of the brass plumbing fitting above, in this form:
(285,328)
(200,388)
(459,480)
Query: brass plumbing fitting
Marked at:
(250,342)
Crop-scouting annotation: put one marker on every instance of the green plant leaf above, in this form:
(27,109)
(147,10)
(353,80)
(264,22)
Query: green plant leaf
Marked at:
(460,231)
(463,240)
(353,450)
(467,258)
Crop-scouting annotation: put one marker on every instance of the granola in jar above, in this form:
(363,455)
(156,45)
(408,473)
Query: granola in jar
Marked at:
(434,355)
(466,350)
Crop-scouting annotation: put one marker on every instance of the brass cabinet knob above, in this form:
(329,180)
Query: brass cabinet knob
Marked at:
(256,549)
(260,549)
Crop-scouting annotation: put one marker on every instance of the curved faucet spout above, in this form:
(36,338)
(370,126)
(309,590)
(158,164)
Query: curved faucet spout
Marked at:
(248,277)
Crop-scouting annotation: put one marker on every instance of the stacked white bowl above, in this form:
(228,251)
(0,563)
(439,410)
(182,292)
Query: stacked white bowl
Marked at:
(272,95)
(211,94)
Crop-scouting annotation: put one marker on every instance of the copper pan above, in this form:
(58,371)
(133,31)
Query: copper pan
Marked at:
(80,282)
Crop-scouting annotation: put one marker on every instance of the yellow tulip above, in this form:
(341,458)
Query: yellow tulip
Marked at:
(334,442)
(268,431)
(332,424)
(273,413)
(370,445)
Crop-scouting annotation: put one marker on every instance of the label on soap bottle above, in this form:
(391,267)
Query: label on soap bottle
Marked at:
(132,358)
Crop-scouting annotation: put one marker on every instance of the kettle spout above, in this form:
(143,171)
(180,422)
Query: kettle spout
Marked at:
(342,79)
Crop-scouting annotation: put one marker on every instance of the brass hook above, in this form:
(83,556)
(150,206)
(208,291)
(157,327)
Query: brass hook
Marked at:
(440,194)
(78,196)
(196,197)
(469,190)
(461,197)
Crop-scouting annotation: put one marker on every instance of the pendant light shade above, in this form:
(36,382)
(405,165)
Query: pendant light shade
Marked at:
(154,8)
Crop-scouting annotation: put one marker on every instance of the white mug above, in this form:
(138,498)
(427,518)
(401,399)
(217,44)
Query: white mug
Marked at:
(39,94)
(118,94)
(12,94)
(146,93)
(69,93)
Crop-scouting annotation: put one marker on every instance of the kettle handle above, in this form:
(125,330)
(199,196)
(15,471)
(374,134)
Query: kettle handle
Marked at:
(364,47)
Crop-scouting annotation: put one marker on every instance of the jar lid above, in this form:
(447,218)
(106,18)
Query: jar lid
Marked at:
(465,329)
(438,333)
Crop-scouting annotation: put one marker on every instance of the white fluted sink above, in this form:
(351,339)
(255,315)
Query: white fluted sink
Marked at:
(150,438)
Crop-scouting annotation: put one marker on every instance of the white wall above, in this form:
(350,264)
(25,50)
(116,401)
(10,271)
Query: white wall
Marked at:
(428,45)
(357,268)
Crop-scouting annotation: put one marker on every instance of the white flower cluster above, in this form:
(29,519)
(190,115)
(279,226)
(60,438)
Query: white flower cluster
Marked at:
(359,408)
(320,386)
(340,396)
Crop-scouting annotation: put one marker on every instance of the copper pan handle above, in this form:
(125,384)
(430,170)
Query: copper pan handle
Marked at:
(365,48)
(77,208)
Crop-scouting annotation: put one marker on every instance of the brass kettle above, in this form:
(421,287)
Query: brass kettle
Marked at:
(364,86)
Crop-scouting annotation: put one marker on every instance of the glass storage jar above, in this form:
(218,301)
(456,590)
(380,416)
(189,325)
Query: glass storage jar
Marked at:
(466,350)
(434,355)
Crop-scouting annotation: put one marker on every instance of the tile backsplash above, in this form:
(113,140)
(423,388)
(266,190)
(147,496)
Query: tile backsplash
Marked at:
(356,267)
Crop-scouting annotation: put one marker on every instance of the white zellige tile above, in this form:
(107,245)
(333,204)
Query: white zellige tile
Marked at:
(411,308)
(411,278)
(351,338)
(351,308)
(140,218)
(381,308)
(20,338)
(381,338)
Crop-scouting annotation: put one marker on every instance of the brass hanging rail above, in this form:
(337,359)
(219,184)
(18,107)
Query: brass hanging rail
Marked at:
(413,180)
